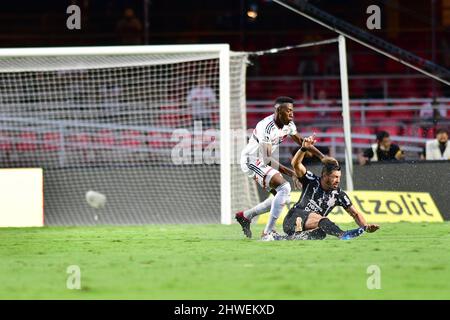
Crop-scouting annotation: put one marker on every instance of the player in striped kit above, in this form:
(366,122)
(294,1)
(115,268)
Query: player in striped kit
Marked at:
(258,162)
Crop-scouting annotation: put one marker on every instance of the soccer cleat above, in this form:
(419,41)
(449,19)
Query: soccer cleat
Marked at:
(350,234)
(245,224)
(272,236)
(300,235)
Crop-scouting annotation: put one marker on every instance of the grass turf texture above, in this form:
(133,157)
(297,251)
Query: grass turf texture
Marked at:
(215,262)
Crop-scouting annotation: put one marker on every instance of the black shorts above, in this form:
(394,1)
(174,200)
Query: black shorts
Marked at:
(289,222)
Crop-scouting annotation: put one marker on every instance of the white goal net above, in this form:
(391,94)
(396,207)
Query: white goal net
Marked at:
(143,125)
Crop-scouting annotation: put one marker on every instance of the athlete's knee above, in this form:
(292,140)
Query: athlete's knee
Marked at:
(276,180)
(284,190)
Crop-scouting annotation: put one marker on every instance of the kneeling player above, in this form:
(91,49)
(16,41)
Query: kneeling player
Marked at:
(307,219)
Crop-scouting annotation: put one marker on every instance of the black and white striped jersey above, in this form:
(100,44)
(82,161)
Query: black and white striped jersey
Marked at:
(316,199)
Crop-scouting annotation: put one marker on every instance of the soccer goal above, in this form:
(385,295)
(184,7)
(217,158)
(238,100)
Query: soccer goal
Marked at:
(156,129)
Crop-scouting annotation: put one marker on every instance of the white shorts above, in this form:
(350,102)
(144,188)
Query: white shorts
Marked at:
(259,171)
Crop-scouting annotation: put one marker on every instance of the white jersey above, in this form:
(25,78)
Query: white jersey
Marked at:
(266,131)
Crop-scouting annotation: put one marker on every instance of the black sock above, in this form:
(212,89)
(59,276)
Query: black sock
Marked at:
(316,234)
(330,227)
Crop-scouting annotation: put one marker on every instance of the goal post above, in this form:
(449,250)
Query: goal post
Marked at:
(111,119)
(225,137)
(346,112)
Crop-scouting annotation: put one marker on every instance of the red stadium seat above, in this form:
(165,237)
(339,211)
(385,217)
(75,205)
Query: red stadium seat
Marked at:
(307,131)
(288,65)
(304,115)
(330,86)
(105,137)
(162,140)
(28,142)
(170,115)
(366,63)
(79,144)
(376,115)
(357,88)
(413,131)
(406,88)
(79,140)
(362,130)
(392,130)
(169,120)
(355,111)
(392,66)
(403,115)
(131,139)
(154,139)
(52,141)
(5,142)
(419,132)
(429,133)
(334,130)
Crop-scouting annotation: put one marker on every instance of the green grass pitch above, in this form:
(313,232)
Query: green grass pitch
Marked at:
(215,262)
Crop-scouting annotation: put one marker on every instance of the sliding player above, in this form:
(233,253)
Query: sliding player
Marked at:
(258,162)
(307,219)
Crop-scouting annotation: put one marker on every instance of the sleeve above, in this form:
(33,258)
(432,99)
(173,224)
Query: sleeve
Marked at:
(368,153)
(292,129)
(308,178)
(429,155)
(344,200)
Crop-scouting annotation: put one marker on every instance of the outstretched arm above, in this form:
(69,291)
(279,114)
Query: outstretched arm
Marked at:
(269,160)
(299,168)
(360,220)
(316,152)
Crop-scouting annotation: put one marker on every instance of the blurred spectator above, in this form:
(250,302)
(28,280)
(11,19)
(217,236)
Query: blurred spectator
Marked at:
(202,99)
(129,28)
(431,112)
(308,66)
(382,150)
(439,148)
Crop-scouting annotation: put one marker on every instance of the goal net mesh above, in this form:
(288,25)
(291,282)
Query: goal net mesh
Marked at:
(142,129)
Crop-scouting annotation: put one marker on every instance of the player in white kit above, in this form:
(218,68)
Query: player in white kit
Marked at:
(257,162)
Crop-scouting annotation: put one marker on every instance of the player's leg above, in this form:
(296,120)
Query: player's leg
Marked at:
(294,226)
(315,221)
(259,173)
(259,209)
(329,227)
(283,189)
(314,234)
(294,221)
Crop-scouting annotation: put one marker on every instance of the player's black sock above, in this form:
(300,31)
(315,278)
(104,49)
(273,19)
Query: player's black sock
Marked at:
(316,234)
(330,227)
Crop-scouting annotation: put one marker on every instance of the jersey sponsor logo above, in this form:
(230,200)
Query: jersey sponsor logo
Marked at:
(379,206)
(312,206)
(331,201)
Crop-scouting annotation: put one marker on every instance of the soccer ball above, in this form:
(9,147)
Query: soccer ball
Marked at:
(95,199)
